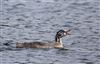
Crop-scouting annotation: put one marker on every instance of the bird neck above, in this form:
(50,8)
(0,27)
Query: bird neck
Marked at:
(58,42)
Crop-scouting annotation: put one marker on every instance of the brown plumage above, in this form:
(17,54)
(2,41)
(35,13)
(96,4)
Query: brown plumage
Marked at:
(57,44)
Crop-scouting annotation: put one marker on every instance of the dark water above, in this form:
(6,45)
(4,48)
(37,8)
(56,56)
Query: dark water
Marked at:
(39,20)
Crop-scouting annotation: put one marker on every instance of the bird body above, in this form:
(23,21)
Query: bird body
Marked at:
(57,44)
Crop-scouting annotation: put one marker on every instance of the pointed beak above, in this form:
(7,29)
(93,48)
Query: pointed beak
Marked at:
(67,32)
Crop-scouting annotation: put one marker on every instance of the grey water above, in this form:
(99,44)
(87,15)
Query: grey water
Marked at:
(39,20)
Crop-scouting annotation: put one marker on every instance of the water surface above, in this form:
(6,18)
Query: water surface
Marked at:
(39,20)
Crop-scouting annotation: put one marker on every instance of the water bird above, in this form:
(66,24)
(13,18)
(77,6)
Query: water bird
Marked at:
(57,44)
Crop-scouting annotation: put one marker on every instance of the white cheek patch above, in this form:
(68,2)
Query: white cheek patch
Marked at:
(65,34)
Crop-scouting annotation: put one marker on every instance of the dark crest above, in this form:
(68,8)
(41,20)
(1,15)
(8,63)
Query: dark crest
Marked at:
(62,33)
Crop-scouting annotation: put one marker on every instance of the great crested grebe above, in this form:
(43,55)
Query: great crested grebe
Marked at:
(58,42)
